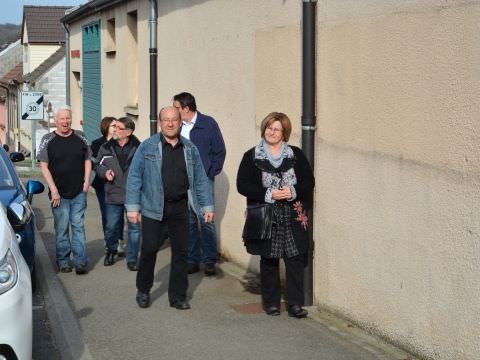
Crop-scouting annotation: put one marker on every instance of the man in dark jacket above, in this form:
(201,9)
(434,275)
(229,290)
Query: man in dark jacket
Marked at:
(113,162)
(204,132)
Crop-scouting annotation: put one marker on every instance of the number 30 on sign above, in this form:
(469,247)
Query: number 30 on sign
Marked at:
(32,105)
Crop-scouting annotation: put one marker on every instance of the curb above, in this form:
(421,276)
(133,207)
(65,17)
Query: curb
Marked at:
(65,328)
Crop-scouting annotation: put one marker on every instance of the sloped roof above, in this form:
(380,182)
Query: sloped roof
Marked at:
(43,23)
(14,74)
(89,8)
(45,66)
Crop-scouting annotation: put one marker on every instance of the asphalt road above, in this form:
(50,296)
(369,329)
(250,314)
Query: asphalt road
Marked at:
(44,347)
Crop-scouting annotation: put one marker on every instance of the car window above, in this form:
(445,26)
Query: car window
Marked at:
(6,180)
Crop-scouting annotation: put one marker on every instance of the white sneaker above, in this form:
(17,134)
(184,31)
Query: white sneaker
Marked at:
(121,248)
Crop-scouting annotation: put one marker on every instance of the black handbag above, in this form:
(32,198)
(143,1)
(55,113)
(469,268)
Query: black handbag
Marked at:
(258,222)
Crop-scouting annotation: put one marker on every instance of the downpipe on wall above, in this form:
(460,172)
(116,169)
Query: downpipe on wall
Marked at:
(152,24)
(309,120)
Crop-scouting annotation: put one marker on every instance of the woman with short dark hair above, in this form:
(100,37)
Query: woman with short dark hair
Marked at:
(107,127)
(276,173)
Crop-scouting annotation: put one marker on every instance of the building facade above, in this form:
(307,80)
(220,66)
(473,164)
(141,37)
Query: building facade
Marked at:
(43,39)
(10,57)
(397,204)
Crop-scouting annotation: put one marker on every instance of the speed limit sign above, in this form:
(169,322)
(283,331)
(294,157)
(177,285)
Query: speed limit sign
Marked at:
(32,105)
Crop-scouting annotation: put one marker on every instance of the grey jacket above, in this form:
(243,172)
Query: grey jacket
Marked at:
(107,159)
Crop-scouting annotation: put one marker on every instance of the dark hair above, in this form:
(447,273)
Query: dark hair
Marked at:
(186,99)
(282,118)
(105,123)
(127,122)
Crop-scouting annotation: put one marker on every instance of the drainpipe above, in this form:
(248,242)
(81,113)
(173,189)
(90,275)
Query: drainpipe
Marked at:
(152,22)
(67,66)
(309,121)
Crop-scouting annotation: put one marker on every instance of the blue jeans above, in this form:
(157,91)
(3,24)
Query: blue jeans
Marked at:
(101,204)
(202,238)
(71,214)
(114,229)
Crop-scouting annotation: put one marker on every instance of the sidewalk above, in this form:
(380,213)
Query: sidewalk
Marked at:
(95,316)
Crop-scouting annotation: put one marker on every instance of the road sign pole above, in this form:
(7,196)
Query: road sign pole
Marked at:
(33,154)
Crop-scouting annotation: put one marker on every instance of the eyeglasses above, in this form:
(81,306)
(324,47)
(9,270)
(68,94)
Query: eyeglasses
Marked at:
(274,130)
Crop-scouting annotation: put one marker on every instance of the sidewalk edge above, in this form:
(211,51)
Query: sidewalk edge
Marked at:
(66,330)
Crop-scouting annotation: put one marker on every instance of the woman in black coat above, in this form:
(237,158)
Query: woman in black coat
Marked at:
(107,127)
(276,173)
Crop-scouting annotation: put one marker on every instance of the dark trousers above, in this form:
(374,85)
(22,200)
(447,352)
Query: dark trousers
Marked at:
(174,225)
(270,279)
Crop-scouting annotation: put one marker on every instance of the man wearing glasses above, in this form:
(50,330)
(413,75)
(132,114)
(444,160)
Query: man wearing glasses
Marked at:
(113,164)
(166,178)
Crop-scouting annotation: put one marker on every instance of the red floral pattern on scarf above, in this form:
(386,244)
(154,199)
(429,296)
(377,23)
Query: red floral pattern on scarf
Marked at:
(301,214)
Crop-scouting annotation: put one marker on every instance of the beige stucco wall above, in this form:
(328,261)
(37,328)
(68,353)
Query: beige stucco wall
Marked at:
(241,60)
(398,159)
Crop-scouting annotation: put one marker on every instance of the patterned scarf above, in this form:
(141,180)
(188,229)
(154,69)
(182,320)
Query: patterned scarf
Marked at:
(278,173)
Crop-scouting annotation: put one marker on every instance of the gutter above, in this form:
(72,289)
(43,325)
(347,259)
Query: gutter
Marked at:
(89,8)
(309,120)
(152,25)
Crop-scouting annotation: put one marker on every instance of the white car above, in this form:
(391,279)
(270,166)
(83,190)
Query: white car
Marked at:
(15,296)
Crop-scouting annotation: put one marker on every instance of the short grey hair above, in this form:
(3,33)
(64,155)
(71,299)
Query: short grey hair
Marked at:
(65,108)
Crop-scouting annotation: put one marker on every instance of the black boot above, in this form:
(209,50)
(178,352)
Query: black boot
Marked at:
(109,258)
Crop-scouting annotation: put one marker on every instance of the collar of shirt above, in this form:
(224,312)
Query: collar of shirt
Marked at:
(122,148)
(166,143)
(188,126)
(191,122)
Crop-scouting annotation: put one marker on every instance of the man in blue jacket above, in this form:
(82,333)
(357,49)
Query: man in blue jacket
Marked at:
(165,179)
(204,132)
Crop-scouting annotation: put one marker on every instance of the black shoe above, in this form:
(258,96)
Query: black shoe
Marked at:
(272,310)
(81,270)
(297,311)
(193,268)
(65,269)
(109,259)
(210,270)
(132,266)
(180,305)
(143,299)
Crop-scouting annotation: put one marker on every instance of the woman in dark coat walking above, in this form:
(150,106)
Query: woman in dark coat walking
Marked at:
(107,127)
(276,173)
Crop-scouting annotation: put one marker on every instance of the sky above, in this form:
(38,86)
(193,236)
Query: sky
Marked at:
(11,10)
